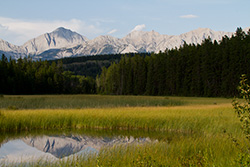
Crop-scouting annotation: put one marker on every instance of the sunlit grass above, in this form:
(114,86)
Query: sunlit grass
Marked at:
(191,119)
(205,125)
(198,151)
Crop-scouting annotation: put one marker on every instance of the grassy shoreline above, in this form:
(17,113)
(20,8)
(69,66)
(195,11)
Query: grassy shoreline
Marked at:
(198,118)
(199,152)
(81,101)
(100,101)
(205,124)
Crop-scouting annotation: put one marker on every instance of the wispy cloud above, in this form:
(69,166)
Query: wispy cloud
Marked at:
(189,16)
(112,31)
(18,31)
(139,27)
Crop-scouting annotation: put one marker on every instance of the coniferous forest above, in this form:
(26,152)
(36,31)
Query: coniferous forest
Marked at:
(210,69)
(25,76)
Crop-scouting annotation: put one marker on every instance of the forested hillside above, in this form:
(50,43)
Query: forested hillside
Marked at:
(25,76)
(65,76)
(91,65)
(210,69)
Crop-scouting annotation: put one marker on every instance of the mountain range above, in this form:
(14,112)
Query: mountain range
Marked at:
(65,43)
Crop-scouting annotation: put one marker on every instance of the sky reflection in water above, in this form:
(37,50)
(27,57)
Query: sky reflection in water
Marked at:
(28,149)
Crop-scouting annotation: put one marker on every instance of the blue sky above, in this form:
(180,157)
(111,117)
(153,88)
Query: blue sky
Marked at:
(21,20)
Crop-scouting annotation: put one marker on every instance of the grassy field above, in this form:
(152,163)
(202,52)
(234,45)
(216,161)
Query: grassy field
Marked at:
(205,125)
(99,101)
(82,101)
(191,119)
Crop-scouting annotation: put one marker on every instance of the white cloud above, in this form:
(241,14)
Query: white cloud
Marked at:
(139,27)
(190,16)
(112,31)
(18,31)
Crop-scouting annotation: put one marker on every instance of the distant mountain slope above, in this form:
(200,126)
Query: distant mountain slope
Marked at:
(65,43)
(11,50)
(59,38)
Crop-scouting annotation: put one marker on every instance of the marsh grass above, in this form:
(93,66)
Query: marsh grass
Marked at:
(202,100)
(198,151)
(83,101)
(189,119)
(191,131)
(98,133)
(101,101)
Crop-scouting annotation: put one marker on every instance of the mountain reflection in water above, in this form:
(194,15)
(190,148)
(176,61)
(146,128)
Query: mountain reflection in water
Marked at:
(60,146)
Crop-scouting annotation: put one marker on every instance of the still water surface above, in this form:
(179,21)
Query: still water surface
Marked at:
(53,146)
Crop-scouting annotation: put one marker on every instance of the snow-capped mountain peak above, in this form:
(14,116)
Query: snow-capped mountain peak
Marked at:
(63,42)
(67,34)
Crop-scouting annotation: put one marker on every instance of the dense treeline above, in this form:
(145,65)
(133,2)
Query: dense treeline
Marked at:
(88,65)
(24,76)
(91,65)
(70,60)
(208,69)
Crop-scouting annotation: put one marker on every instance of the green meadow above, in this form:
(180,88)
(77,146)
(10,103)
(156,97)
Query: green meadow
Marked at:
(198,131)
(82,101)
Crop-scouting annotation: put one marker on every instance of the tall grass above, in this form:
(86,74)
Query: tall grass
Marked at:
(190,119)
(82,101)
(198,151)
(202,127)
(99,101)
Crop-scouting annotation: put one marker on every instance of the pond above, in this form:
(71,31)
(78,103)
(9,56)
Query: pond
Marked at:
(17,148)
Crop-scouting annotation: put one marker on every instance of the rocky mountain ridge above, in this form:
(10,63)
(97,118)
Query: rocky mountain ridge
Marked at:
(65,43)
